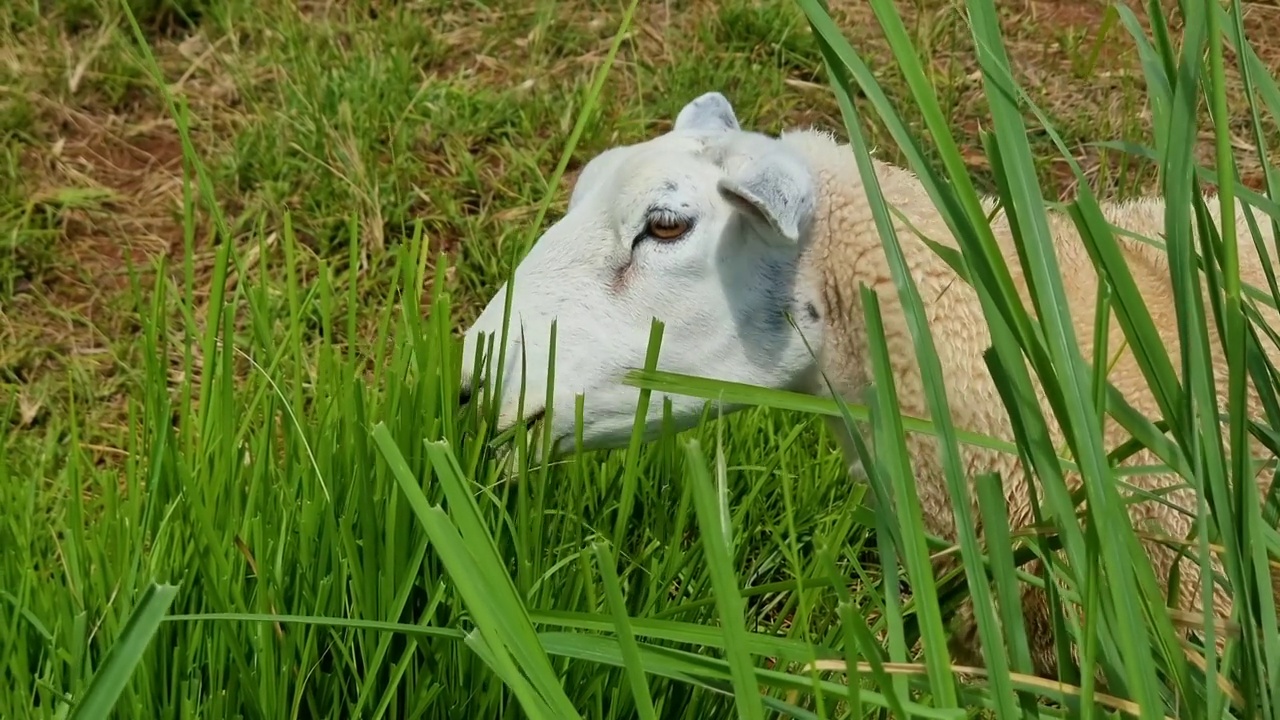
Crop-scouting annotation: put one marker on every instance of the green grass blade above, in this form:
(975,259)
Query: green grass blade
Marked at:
(741,394)
(626,638)
(126,653)
(724,585)
(892,455)
(474,566)
(630,476)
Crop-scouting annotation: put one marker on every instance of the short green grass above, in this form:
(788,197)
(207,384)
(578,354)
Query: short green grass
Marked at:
(230,378)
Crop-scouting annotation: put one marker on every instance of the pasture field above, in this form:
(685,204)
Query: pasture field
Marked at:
(238,241)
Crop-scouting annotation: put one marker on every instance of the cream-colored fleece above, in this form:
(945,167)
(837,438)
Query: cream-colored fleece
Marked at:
(846,252)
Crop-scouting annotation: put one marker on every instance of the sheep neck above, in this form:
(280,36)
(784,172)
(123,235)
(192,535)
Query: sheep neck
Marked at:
(844,252)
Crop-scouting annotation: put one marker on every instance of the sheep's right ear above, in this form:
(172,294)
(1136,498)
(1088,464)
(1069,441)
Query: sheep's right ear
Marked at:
(776,188)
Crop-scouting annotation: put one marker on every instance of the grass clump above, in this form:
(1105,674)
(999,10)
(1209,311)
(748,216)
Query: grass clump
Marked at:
(270,503)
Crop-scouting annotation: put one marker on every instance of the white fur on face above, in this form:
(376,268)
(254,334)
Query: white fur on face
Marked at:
(723,289)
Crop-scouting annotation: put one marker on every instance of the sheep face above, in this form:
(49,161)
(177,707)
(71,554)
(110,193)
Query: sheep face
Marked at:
(703,229)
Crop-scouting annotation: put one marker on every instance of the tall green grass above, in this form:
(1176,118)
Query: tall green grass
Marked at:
(309,531)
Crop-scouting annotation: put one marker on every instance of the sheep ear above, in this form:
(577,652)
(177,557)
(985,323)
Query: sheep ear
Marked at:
(777,188)
(709,112)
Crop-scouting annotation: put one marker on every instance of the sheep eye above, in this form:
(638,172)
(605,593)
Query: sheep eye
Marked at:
(664,228)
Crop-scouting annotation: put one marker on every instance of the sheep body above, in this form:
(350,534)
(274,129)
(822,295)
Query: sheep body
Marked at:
(845,252)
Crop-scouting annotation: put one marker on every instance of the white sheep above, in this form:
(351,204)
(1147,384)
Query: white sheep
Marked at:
(722,233)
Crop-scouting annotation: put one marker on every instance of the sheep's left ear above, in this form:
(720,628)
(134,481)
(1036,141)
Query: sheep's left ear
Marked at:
(776,188)
(709,112)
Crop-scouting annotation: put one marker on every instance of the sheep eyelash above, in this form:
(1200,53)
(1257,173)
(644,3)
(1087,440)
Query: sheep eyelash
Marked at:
(665,215)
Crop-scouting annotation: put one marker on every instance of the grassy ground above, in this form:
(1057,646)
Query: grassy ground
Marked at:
(347,144)
(396,113)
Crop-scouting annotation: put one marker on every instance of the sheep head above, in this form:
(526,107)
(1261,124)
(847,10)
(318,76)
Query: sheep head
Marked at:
(702,228)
